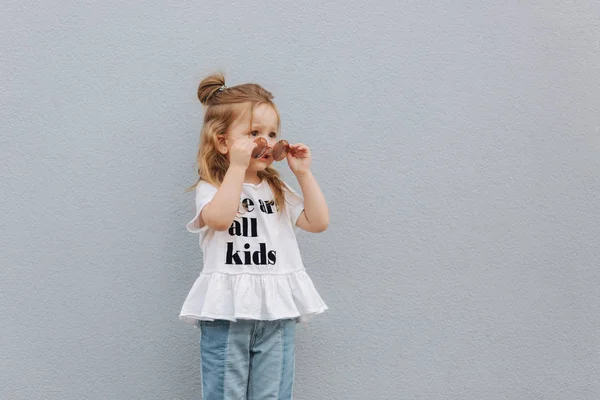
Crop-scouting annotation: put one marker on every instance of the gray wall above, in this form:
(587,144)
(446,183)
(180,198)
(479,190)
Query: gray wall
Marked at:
(458,144)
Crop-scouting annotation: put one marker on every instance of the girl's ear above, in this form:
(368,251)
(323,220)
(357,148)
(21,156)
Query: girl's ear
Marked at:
(222,145)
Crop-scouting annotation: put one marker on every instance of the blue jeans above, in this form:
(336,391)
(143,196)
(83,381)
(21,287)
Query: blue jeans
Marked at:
(247,359)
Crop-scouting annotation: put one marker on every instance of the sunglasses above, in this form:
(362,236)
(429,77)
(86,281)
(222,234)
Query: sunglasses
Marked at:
(279,151)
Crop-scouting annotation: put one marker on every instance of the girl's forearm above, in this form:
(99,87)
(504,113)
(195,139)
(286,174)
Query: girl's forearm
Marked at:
(315,205)
(222,209)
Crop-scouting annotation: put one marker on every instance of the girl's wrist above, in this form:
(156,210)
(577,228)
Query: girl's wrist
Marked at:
(237,168)
(303,174)
(236,172)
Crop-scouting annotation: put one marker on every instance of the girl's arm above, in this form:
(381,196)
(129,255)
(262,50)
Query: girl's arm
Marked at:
(315,217)
(220,212)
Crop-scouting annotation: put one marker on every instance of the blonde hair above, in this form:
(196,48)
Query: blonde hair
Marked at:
(224,105)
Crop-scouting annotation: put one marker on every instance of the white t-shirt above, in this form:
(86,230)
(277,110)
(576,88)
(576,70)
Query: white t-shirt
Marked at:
(253,270)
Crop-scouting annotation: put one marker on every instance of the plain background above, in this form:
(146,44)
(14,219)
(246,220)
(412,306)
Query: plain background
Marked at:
(458,144)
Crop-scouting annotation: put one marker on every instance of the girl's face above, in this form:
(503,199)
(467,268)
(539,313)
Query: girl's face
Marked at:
(264,124)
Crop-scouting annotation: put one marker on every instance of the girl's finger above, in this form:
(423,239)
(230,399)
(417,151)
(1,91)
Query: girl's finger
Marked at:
(299,150)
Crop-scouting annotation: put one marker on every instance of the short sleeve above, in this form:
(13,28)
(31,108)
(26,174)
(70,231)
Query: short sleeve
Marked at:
(204,194)
(294,204)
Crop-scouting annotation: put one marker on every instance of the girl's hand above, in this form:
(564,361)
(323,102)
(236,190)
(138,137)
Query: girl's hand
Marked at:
(240,153)
(299,158)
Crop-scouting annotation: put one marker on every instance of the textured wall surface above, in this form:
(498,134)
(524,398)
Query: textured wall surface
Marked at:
(458,144)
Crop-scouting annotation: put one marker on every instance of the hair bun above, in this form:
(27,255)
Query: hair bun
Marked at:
(209,86)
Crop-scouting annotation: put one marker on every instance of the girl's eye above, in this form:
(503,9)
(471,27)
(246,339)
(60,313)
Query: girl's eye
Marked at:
(273,135)
(254,133)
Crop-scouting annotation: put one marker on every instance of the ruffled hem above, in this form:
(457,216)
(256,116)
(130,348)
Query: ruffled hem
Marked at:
(252,296)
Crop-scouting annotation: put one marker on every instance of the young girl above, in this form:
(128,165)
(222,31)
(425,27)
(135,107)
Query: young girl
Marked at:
(253,287)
